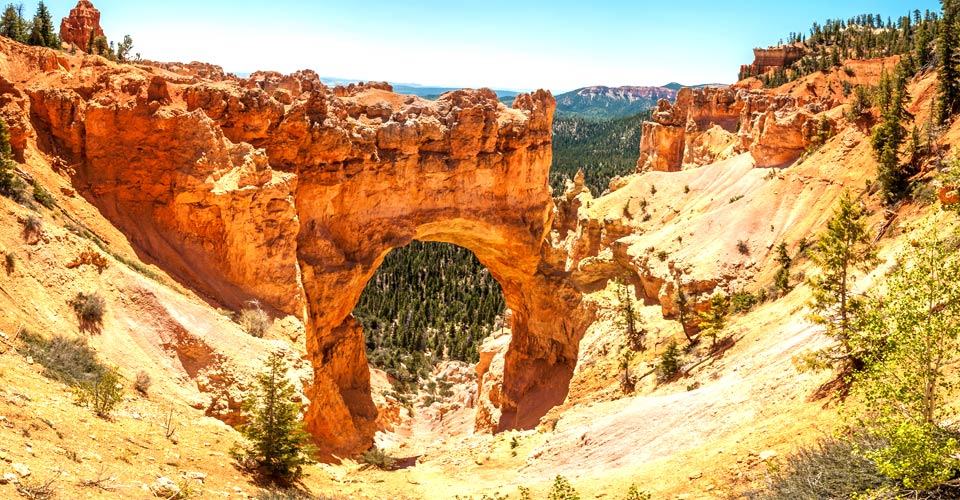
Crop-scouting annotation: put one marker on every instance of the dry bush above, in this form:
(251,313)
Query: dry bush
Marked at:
(254,320)
(89,308)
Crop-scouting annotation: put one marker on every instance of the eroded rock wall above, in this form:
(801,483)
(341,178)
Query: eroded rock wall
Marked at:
(710,124)
(278,189)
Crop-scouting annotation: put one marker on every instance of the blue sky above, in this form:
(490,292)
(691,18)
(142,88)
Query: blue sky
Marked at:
(557,44)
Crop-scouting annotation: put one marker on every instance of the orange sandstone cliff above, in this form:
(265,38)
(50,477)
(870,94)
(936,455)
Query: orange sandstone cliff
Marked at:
(280,189)
(712,124)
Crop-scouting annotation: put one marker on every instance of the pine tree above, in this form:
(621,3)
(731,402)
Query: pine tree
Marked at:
(890,134)
(948,44)
(45,26)
(278,442)
(714,319)
(12,25)
(8,180)
(843,248)
(629,317)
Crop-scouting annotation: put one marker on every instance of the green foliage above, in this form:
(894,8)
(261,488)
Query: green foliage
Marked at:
(68,360)
(427,301)
(635,494)
(43,196)
(905,385)
(11,185)
(864,36)
(890,134)
(10,262)
(670,361)
(714,319)
(124,48)
(562,490)
(628,317)
(277,442)
(102,393)
(89,308)
(289,494)
(683,314)
(375,457)
(12,25)
(948,55)
(41,31)
(741,302)
(602,148)
(782,279)
(842,249)
(860,104)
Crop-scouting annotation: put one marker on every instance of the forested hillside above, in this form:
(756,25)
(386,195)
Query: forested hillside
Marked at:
(428,301)
(602,148)
(861,37)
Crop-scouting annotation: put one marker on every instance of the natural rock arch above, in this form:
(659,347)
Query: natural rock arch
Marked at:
(486,191)
(281,189)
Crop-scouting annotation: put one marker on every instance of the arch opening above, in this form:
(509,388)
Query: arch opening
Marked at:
(424,314)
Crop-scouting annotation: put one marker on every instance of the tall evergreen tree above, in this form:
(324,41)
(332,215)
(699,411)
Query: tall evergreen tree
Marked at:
(890,134)
(12,25)
(948,52)
(279,444)
(42,32)
(842,249)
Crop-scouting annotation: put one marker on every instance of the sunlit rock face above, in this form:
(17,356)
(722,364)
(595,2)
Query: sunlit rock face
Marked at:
(280,189)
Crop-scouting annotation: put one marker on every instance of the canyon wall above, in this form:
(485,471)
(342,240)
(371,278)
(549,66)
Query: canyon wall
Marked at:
(707,125)
(279,189)
(771,58)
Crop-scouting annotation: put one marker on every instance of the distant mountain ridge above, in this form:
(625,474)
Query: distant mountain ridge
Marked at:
(678,86)
(602,102)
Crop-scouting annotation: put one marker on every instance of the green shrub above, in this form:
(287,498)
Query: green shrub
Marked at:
(102,394)
(89,308)
(562,490)
(741,302)
(670,361)
(11,262)
(43,196)
(70,361)
(375,457)
(635,494)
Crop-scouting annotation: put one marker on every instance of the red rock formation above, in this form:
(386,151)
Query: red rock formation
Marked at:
(75,29)
(280,189)
(707,125)
(771,58)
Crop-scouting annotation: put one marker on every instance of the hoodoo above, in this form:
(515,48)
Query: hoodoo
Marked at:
(76,28)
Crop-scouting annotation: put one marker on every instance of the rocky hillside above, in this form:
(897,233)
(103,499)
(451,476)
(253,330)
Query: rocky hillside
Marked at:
(179,194)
